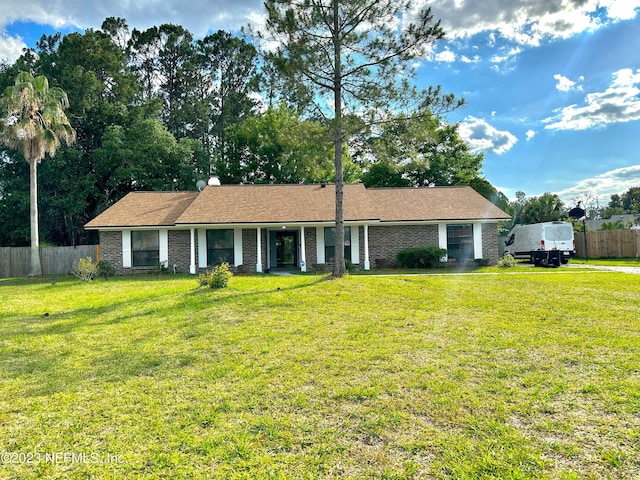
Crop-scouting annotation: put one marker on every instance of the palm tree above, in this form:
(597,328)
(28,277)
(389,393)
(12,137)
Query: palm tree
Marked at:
(32,119)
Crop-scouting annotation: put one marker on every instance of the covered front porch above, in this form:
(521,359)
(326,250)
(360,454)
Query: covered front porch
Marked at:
(310,247)
(264,248)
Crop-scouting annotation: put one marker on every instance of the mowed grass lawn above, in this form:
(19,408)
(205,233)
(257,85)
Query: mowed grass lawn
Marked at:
(509,376)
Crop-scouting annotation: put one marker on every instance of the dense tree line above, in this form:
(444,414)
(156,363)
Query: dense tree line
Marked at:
(160,110)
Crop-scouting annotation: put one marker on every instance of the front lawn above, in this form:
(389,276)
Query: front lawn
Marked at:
(508,376)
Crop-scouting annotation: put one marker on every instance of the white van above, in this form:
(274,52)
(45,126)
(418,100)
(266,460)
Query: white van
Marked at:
(546,244)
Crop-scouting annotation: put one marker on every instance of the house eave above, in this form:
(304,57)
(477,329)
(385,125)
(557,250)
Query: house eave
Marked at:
(442,220)
(118,228)
(280,224)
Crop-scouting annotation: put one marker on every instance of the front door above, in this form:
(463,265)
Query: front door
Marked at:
(286,248)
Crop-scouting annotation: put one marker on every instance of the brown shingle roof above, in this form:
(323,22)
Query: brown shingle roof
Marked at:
(140,209)
(276,204)
(438,203)
(260,204)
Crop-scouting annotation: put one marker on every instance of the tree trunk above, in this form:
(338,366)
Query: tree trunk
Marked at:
(35,268)
(339,268)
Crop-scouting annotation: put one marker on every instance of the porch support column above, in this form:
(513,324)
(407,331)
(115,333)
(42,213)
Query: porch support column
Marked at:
(259,250)
(192,260)
(442,237)
(367,264)
(477,240)
(303,253)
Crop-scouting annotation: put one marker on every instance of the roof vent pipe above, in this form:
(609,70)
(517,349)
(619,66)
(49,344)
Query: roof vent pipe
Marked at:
(214,182)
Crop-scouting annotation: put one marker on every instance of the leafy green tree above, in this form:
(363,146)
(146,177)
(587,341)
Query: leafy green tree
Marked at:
(228,70)
(14,199)
(144,52)
(278,147)
(33,120)
(425,152)
(144,156)
(384,174)
(545,208)
(617,225)
(69,188)
(163,58)
(631,200)
(102,92)
(608,212)
(175,61)
(118,30)
(615,201)
(350,52)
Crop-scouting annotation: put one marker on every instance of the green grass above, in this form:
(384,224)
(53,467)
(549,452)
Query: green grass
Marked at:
(509,376)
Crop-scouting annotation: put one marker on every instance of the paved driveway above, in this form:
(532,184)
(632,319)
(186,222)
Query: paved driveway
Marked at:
(631,270)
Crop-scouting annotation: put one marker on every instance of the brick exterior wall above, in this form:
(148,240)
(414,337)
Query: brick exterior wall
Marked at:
(490,247)
(179,250)
(386,241)
(249,250)
(311,250)
(111,250)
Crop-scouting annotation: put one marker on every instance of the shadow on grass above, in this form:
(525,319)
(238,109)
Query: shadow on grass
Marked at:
(225,297)
(65,354)
(67,321)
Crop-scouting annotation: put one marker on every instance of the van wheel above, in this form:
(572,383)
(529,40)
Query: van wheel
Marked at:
(564,261)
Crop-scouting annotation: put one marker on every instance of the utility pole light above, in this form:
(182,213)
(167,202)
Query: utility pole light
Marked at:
(578,213)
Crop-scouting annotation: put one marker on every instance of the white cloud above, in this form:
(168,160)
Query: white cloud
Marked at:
(565,84)
(620,102)
(506,56)
(445,56)
(530,134)
(526,22)
(621,9)
(605,184)
(481,136)
(474,59)
(10,48)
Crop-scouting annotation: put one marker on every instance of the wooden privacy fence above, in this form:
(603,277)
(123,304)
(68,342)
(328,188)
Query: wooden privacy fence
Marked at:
(14,261)
(609,244)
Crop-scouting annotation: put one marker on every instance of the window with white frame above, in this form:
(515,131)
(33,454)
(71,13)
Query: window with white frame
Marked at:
(145,248)
(220,247)
(330,243)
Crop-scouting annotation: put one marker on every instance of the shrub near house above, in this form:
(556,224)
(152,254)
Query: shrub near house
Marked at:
(421,257)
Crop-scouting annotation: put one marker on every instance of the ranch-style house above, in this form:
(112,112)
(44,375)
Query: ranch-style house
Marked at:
(258,228)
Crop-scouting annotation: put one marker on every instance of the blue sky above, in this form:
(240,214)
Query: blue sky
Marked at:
(552,86)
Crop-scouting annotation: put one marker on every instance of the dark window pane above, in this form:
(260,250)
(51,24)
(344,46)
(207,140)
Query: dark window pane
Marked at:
(220,247)
(460,242)
(330,243)
(145,248)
